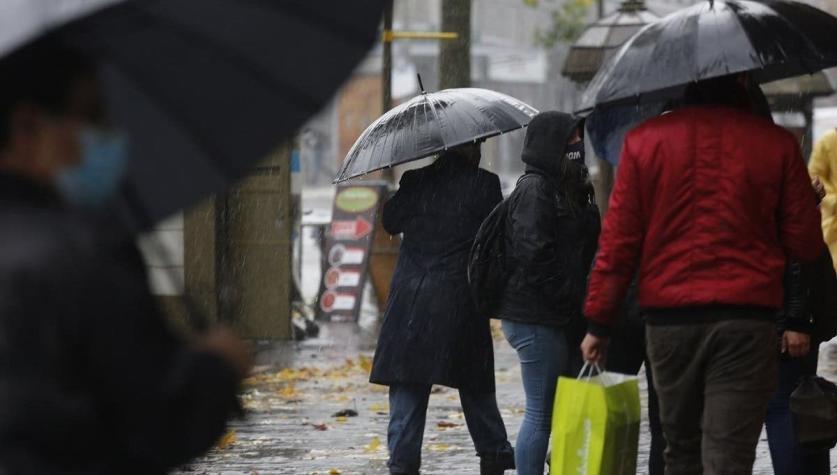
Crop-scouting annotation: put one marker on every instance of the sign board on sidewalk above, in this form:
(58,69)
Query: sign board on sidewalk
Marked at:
(347,249)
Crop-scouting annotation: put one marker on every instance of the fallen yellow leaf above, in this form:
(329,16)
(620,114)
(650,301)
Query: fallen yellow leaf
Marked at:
(439,447)
(227,440)
(288,392)
(341,419)
(365,363)
(378,407)
(373,445)
(334,471)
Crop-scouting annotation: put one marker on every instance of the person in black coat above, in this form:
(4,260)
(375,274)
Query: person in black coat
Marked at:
(92,381)
(551,231)
(432,332)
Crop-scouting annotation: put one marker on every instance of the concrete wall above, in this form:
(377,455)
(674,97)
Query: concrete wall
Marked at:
(231,256)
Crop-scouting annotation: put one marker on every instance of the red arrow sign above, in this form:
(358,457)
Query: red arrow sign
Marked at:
(356,229)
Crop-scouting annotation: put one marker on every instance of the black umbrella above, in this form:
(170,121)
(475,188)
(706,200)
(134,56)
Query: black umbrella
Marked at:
(431,123)
(204,88)
(774,39)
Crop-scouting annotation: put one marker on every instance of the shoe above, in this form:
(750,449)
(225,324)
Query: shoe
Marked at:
(498,464)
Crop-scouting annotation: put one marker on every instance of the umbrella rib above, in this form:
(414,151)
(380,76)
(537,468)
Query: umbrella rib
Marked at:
(202,145)
(430,100)
(302,100)
(307,15)
(803,37)
(254,70)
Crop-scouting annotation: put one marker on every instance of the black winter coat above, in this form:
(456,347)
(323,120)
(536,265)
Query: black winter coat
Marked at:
(551,244)
(432,332)
(810,299)
(91,379)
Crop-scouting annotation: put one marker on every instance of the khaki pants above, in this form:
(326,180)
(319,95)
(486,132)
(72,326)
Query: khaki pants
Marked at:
(714,381)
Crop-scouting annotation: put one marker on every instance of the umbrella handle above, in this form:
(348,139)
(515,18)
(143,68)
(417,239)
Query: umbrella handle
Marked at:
(421,85)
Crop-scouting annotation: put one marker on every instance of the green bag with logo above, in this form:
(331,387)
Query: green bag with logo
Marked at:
(595,424)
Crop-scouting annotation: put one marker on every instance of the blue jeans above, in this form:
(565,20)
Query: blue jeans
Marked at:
(788,457)
(544,355)
(407,414)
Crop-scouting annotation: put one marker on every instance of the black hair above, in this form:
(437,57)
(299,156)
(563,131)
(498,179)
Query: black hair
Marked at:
(41,73)
(723,90)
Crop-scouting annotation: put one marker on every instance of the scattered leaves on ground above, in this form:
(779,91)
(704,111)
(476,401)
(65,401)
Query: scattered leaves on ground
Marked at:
(341,419)
(373,445)
(439,447)
(378,407)
(289,392)
(446,425)
(365,363)
(227,440)
(345,413)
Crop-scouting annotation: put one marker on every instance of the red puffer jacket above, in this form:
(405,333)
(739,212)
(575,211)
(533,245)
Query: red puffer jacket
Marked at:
(708,202)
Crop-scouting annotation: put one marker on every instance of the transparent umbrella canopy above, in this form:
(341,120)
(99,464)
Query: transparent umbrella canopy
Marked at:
(431,123)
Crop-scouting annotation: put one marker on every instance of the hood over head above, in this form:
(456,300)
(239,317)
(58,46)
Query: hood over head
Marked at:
(546,141)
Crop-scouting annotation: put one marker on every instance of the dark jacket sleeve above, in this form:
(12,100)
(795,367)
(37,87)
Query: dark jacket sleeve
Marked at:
(491,194)
(796,315)
(163,401)
(401,205)
(534,243)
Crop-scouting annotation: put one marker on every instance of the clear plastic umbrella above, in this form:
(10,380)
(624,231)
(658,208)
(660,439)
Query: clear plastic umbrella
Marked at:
(431,123)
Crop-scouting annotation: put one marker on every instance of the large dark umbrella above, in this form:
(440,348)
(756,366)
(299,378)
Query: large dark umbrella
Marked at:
(431,123)
(204,88)
(774,39)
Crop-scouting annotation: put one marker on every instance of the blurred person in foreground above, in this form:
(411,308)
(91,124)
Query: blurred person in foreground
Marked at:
(433,332)
(709,203)
(92,380)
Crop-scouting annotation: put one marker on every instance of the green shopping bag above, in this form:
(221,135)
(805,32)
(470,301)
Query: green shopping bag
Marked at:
(595,424)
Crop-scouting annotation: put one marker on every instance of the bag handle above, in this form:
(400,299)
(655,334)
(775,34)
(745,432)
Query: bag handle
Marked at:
(589,368)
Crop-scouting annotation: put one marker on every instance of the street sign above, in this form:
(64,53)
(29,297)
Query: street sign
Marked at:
(353,230)
(347,249)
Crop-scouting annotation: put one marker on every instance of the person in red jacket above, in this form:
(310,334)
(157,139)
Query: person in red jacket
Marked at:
(710,201)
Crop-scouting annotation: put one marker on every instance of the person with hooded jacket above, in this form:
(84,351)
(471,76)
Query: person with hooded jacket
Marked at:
(551,232)
(432,331)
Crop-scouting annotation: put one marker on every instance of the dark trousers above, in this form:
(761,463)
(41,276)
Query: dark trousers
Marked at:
(625,354)
(407,414)
(788,457)
(714,381)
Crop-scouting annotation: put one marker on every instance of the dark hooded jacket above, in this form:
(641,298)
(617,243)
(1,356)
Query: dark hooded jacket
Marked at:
(92,381)
(432,332)
(551,241)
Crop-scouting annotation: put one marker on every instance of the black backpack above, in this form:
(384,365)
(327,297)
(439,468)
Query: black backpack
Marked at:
(487,269)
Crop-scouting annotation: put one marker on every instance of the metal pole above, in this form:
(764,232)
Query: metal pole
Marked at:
(386,66)
(601,9)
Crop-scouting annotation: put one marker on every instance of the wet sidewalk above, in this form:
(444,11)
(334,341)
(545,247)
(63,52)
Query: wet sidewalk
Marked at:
(302,405)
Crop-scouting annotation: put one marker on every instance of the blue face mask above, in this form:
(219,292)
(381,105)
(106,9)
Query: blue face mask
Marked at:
(96,178)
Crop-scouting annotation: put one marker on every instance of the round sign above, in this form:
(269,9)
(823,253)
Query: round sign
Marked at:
(356,199)
(335,255)
(327,301)
(332,278)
